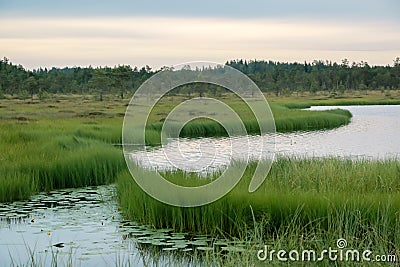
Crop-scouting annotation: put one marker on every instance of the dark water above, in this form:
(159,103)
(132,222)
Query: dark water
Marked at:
(92,231)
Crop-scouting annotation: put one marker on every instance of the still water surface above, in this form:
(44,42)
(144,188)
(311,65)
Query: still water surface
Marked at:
(373,134)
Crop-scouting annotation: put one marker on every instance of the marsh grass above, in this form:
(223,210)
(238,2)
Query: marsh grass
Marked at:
(243,251)
(286,120)
(67,141)
(308,197)
(42,156)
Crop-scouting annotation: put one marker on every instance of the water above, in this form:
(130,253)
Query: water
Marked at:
(372,134)
(92,231)
(83,227)
(85,221)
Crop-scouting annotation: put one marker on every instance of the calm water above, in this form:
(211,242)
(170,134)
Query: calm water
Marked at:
(83,227)
(373,133)
(87,223)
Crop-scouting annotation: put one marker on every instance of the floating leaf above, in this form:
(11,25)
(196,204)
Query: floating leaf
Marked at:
(170,249)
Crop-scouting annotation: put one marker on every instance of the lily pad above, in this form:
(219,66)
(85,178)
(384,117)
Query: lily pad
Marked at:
(198,243)
(180,246)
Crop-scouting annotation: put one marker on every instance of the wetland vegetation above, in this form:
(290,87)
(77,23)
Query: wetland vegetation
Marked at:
(54,141)
(67,141)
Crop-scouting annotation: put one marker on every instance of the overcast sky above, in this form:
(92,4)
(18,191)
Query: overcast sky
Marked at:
(45,33)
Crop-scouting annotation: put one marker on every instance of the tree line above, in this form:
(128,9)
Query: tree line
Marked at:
(122,79)
(320,75)
(270,76)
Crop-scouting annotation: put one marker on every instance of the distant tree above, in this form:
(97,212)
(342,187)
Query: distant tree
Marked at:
(31,86)
(100,82)
(122,79)
(396,62)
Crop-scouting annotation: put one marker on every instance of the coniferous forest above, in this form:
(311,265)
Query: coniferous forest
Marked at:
(272,77)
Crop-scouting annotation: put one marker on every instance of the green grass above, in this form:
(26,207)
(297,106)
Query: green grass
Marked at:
(67,141)
(303,204)
(286,119)
(348,98)
(340,102)
(42,156)
(336,196)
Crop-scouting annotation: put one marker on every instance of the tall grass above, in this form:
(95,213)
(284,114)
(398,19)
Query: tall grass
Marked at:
(45,157)
(293,236)
(106,133)
(331,195)
(286,120)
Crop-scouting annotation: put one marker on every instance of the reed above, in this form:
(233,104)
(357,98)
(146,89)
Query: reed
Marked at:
(46,157)
(325,194)
(286,120)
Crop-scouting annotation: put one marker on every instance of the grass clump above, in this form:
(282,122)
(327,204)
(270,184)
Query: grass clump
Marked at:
(287,120)
(334,197)
(42,156)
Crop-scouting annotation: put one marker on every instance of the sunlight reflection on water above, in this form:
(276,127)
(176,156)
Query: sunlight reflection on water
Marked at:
(372,134)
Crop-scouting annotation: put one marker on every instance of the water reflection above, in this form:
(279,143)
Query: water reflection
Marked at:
(372,133)
(84,227)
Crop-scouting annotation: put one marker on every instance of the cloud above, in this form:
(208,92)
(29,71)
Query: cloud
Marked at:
(339,9)
(158,41)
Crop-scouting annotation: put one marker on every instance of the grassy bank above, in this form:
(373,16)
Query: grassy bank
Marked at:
(103,120)
(286,118)
(289,119)
(347,98)
(47,155)
(338,102)
(315,198)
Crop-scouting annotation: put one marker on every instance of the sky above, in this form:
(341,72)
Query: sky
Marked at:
(48,33)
